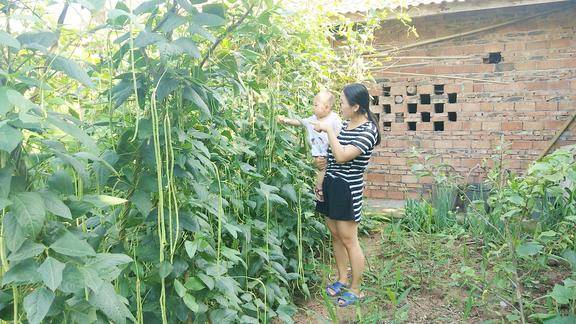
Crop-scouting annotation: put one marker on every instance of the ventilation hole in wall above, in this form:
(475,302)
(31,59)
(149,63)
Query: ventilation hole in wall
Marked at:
(452,97)
(493,58)
(386,91)
(399,117)
(438,108)
(399,99)
(438,89)
(375,100)
(387,109)
(412,108)
(387,126)
(425,117)
(411,90)
(452,116)
(439,126)
(425,99)
(411,126)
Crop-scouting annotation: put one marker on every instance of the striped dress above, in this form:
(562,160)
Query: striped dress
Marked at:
(364,138)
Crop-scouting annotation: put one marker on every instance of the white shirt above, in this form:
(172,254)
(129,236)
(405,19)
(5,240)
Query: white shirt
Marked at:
(319,140)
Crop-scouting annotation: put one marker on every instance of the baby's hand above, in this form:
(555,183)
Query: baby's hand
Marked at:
(321,162)
(320,126)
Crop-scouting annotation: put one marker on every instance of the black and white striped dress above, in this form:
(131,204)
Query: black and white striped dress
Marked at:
(364,138)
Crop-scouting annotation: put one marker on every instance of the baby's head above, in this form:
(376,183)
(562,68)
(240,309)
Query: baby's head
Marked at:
(323,103)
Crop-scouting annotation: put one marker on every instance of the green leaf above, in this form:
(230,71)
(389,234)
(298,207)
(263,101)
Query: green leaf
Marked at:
(28,207)
(28,250)
(191,248)
(190,94)
(5,104)
(194,283)
(7,40)
(528,249)
(61,182)
(143,202)
(207,280)
(72,279)
(103,201)
(164,269)
(10,138)
(51,272)
(5,181)
(179,287)
(23,272)
(172,22)
(210,20)
(37,304)
(559,319)
(106,299)
(18,100)
(17,236)
(4,203)
(222,316)
(190,301)
(72,130)
(69,244)
(147,6)
(562,295)
(72,69)
(188,46)
(146,38)
(570,256)
(199,30)
(39,41)
(54,205)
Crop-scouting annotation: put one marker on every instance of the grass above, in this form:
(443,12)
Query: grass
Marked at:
(420,278)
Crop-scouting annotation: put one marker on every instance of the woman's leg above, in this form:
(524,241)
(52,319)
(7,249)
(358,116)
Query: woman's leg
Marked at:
(340,253)
(348,234)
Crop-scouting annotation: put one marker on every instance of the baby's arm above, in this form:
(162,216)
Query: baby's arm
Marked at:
(289,121)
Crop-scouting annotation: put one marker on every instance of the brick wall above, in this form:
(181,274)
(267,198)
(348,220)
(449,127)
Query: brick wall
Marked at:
(464,120)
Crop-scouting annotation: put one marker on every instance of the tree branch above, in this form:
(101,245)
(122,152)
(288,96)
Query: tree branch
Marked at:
(226,33)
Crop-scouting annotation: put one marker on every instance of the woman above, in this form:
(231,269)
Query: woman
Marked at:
(348,157)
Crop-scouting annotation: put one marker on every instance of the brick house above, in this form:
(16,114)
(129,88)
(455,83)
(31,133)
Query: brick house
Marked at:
(481,71)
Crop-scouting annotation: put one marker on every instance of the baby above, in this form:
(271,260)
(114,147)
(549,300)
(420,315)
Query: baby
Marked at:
(323,103)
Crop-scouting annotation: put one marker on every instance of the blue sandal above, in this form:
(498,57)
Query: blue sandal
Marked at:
(336,287)
(348,298)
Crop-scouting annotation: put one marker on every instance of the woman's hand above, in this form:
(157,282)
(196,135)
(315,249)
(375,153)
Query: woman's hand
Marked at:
(320,126)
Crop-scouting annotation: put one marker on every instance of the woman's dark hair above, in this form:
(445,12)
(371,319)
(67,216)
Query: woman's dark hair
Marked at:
(357,94)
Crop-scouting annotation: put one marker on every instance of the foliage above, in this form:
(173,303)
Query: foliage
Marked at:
(142,174)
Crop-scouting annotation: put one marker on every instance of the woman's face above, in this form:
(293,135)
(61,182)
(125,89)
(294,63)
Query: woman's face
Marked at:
(347,111)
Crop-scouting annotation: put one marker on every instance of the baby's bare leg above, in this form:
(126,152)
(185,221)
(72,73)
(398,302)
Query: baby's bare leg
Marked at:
(320,173)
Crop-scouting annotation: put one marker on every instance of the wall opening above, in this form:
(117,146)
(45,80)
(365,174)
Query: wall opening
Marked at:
(438,108)
(438,89)
(425,99)
(425,117)
(439,126)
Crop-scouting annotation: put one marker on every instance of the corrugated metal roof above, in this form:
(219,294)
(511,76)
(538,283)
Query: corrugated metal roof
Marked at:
(351,6)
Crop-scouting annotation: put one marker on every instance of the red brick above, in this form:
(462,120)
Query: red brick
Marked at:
(397,161)
(443,144)
(480,144)
(524,106)
(470,163)
(511,126)
(471,125)
(554,124)
(503,106)
(462,144)
(536,125)
(374,177)
(521,145)
(409,179)
(491,126)
(381,160)
(452,126)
